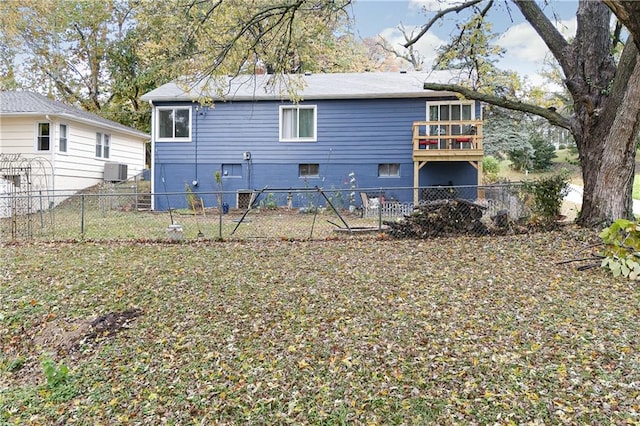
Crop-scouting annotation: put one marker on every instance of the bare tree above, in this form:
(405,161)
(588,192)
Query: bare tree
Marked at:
(606,99)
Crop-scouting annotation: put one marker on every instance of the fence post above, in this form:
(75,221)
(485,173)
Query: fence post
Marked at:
(41,214)
(381,202)
(82,215)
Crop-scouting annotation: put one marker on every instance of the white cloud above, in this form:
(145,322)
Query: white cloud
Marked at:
(522,42)
(525,50)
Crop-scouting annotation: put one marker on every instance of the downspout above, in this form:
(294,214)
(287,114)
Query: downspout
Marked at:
(195,140)
(153,156)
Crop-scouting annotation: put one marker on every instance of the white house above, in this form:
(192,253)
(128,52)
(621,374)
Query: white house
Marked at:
(74,149)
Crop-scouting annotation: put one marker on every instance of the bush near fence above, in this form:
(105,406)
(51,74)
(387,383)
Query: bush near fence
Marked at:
(117,212)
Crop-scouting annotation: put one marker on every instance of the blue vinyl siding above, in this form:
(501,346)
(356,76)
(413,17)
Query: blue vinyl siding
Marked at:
(353,136)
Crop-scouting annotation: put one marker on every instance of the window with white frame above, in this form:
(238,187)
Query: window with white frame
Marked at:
(103,145)
(450,111)
(309,170)
(62,136)
(298,123)
(173,124)
(44,137)
(389,170)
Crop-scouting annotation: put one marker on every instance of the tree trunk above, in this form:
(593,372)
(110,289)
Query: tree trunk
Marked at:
(608,173)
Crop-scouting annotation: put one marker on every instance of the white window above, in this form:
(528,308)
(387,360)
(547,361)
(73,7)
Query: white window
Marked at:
(450,111)
(173,124)
(389,170)
(298,123)
(62,143)
(44,137)
(103,145)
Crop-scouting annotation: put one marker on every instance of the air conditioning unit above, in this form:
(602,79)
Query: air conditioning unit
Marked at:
(115,172)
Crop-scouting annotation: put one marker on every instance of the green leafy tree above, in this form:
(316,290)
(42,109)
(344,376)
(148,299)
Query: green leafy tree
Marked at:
(102,55)
(543,153)
(85,53)
(503,134)
(474,51)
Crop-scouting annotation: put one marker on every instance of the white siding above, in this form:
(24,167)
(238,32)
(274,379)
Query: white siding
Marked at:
(77,168)
(18,136)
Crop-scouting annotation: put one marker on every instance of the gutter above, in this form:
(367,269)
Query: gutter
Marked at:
(342,96)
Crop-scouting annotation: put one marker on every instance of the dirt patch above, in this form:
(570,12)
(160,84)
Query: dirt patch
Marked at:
(110,324)
(59,338)
(62,337)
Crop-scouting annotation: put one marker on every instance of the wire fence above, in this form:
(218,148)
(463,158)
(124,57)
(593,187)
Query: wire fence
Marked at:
(123,212)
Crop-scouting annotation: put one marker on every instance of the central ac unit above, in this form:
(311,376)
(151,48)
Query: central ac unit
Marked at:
(115,172)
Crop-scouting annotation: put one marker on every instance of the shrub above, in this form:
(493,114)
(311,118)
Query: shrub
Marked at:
(547,194)
(490,165)
(490,169)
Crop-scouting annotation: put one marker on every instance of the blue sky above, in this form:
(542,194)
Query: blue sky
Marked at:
(525,50)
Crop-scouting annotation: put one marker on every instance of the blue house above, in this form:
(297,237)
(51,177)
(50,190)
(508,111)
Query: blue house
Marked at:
(312,130)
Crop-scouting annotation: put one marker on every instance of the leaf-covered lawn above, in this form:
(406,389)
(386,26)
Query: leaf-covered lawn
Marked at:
(357,330)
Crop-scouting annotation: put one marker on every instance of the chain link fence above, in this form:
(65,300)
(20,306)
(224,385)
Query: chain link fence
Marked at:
(123,212)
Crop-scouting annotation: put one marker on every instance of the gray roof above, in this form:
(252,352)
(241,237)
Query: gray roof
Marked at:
(304,87)
(20,103)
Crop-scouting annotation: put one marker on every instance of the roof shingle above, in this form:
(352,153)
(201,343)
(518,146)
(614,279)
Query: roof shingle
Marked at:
(24,102)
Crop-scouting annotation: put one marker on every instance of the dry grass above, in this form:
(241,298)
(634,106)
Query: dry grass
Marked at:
(355,330)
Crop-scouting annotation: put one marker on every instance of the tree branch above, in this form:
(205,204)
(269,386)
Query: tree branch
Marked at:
(545,29)
(552,116)
(627,12)
(425,28)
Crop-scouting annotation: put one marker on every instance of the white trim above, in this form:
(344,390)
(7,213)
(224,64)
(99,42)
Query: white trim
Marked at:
(156,126)
(103,136)
(153,157)
(452,102)
(37,136)
(298,108)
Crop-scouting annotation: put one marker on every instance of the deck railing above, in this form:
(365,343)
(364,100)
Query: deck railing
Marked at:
(447,135)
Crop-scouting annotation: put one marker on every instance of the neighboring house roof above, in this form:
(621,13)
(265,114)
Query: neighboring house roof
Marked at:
(21,103)
(369,85)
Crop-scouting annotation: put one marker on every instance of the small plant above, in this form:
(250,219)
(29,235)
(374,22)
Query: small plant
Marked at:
(622,249)
(305,200)
(193,201)
(547,194)
(269,202)
(337,199)
(56,374)
(353,184)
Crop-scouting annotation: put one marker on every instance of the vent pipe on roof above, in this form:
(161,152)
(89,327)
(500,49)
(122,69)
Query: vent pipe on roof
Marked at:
(403,71)
(307,73)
